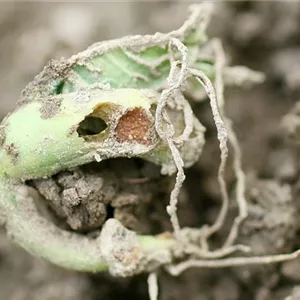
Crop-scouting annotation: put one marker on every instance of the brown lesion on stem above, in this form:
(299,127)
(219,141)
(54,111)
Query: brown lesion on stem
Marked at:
(134,126)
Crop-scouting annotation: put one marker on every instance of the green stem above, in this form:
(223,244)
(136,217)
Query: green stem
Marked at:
(36,145)
(42,238)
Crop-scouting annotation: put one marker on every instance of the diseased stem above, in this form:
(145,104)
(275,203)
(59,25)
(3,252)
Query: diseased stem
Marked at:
(42,238)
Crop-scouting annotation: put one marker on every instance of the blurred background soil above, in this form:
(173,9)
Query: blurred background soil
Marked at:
(262,35)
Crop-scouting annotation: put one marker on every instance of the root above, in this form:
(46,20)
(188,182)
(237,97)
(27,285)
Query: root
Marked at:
(153,286)
(215,259)
(222,137)
(176,270)
(240,188)
(188,116)
(175,80)
(198,252)
(225,134)
(237,156)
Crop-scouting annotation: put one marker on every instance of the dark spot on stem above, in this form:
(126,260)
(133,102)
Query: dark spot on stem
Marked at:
(12,151)
(59,87)
(72,130)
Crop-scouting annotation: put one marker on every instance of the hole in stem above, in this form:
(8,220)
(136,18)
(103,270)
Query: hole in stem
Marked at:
(110,212)
(91,126)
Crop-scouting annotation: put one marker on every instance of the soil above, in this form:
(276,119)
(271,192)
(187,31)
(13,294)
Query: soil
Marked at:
(262,35)
(125,189)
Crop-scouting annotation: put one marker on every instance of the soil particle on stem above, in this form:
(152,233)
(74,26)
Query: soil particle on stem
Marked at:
(2,134)
(12,151)
(50,108)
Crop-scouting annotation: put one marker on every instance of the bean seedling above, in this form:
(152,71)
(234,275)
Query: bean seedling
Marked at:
(129,97)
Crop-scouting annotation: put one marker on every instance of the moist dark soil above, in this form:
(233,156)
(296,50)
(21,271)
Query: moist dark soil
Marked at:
(262,35)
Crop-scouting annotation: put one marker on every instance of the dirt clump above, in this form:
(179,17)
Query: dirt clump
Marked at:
(125,189)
